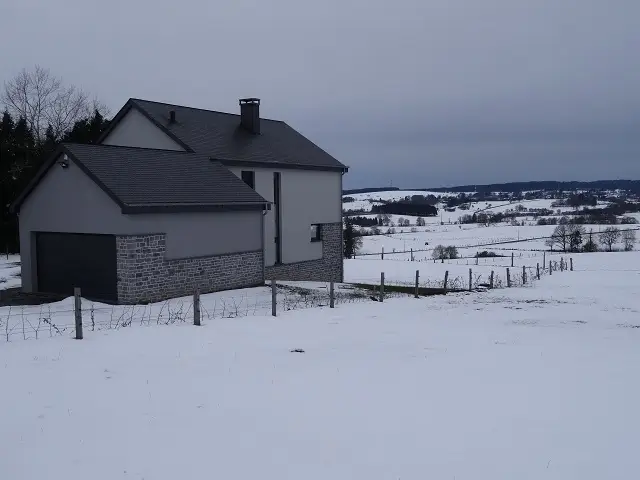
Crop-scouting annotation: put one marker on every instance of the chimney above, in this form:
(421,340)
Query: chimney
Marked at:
(172,116)
(250,114)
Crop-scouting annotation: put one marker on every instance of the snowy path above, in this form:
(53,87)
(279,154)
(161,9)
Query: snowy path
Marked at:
(530,383)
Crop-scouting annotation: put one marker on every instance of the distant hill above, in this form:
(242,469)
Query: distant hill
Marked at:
(629,185)
(369,190)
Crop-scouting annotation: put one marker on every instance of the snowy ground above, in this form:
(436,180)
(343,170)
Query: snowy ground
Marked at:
(9,271)
(524,383)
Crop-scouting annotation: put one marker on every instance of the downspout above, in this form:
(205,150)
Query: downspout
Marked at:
(265,209)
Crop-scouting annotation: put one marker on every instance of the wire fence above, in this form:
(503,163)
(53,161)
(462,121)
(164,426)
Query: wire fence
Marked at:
(76,317)
(51,320)
(471,280)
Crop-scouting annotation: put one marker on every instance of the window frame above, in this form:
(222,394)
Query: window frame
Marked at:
(318,235)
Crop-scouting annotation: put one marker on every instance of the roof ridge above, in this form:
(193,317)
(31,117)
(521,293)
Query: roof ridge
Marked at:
(198,108)
(66,144)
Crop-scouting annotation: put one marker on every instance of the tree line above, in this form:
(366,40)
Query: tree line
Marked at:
(38,112)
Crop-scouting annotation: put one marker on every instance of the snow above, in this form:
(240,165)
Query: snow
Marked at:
(9,271)
(522,383)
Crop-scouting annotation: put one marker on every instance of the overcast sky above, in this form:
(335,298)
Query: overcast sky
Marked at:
(417,93)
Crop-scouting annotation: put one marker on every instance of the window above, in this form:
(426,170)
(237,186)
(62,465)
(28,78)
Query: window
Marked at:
(249,177)
(316,233)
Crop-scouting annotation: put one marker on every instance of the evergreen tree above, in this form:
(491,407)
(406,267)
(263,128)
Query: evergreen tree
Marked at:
(352,241)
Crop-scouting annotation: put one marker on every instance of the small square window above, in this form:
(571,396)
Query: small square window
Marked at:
(316,233)
(249,177)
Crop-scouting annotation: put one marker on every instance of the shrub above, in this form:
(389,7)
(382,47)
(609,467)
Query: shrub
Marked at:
(486,254)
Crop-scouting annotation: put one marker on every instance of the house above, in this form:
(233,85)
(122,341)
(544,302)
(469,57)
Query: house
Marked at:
(175,198)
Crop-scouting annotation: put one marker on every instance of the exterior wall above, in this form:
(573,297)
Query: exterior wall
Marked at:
(145,275)
(136,130)
(66,200)
(307,197)
(329,268)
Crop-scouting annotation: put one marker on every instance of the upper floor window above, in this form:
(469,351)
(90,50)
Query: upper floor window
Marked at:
(249,177)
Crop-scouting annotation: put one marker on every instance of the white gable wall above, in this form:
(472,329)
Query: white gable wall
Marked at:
(136,130)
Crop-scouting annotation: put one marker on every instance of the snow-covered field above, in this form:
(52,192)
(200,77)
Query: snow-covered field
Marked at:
(522,383)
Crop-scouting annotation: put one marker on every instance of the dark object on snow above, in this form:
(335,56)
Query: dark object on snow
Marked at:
(297,350)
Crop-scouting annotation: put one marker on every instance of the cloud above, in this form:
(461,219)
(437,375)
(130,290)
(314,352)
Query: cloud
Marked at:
(426,92)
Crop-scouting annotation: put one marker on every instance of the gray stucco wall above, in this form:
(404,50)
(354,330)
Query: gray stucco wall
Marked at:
(136,130)
(308,197)
(328,268)
(66,200)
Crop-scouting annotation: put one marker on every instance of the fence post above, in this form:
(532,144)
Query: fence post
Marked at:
(470,280)
(571,263)
(476,260)
(512,259)
(382,286)
(331,295)
(538,271)
(544,259)
(561,264)
(196,307)
(491,280)
(508,278)
(77,308)
(550,268)
(446,279)
(274,298)
(417,283)
(412,254)
(524,275)
(382,254)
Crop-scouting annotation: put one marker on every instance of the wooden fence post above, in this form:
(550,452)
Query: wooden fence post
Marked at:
(412,254)
(491,280)
(524,275)
(196,307)
(274,298)
(544,259)
(512,259)
(550,268)
(382,254)
(470,280)
(508,278)
(571,263)
(417,283)
(476,260)
(538,271)
(382,286)
(446,279)
(77,309)
(331,295)
(561,264)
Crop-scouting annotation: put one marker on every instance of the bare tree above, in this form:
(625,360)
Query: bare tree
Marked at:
(609,237)
(42,99)
(560,237)
(575,233)
(629,239)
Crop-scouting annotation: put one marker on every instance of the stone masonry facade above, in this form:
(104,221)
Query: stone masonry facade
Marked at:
(145,275)
(327,269)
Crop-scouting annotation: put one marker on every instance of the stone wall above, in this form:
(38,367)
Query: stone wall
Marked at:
(145,275)
(327,269)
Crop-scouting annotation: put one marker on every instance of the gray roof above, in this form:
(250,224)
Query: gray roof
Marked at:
(147,177)
(220,136)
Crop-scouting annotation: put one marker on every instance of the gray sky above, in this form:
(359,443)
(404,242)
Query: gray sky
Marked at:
(414,92)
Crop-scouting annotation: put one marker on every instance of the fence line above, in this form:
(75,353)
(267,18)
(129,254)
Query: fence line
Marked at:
(29,322)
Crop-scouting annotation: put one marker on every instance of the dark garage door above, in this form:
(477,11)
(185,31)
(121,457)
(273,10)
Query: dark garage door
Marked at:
(68,260)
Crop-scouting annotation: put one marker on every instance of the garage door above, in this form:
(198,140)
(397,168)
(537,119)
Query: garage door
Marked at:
(68,260)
